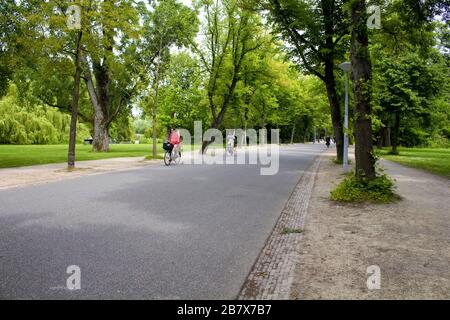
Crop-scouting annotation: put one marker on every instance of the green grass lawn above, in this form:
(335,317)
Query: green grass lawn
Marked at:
(435,160)
(26,155)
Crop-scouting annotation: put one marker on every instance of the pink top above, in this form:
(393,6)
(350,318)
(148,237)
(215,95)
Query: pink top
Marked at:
(174,138)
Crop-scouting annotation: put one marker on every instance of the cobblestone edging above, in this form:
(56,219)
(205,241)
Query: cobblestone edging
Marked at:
(273,273)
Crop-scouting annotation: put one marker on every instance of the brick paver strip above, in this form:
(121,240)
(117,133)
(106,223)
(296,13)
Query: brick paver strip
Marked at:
(273,272)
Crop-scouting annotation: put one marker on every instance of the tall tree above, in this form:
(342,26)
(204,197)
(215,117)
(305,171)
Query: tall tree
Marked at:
(314,30)
(75,101)
(182,93)
(362,83)
(409,74)
(170,23)
(8,26)
(49,42)
(111,75)
(231,33)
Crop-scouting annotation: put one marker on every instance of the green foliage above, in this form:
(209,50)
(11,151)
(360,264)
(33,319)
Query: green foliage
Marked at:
(122,130)
(5,74)
(381,189)
(316,19)
(181,94)
(411,76)
(140,125)
(439,141)
(273,94)
(34,124)
(233,35)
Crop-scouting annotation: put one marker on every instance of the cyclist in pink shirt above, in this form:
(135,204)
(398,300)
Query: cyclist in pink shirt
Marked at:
(174,139)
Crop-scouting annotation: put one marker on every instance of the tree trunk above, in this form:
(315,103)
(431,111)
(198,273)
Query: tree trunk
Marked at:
(328,12)
(239,50)
(101,137)
(292,133)
(305,134)
(385,137)
(101,134)
(396,132)
(336,118)
(206,143)
(154,113)
(387,141)
(155,101)
(99,99)
(362,72)
(100,95)
(226,101)
(75,99)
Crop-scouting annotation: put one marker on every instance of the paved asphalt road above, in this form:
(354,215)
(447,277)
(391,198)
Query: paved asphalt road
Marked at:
(186,231)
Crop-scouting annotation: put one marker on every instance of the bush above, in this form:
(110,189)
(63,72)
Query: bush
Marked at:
(411,137)
(381,189)
(438,141)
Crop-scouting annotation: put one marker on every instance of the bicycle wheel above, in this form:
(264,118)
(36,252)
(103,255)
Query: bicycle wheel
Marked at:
(178,158)
(167,158)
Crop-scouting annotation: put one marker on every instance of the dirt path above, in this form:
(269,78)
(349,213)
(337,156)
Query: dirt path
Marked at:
(409,240)
(24,176)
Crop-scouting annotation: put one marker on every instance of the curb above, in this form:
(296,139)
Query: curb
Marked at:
(273,272)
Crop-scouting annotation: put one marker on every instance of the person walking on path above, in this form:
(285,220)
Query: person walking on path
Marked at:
(230,143)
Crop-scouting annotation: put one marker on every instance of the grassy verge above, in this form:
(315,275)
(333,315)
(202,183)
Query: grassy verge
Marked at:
(18,156)
(287,230)
(434,160)
(160,156)
(381,189)
(335,161)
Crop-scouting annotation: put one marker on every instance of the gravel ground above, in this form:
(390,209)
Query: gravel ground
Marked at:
(409,240)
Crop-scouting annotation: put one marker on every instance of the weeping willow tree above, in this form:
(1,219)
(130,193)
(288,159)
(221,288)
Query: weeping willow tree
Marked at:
(24,123)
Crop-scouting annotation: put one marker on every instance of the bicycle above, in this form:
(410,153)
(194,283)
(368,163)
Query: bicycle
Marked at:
(230,149)
(172,155)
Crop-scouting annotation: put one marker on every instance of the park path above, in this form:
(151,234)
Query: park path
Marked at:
(153,232)
(409,240)
(45,173)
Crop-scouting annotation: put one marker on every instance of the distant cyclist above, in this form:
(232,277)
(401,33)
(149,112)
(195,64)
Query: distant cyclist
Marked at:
(174,140)
(328,140)
(230,143)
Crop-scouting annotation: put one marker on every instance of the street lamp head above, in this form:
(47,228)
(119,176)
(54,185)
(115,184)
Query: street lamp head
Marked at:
(346,66)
